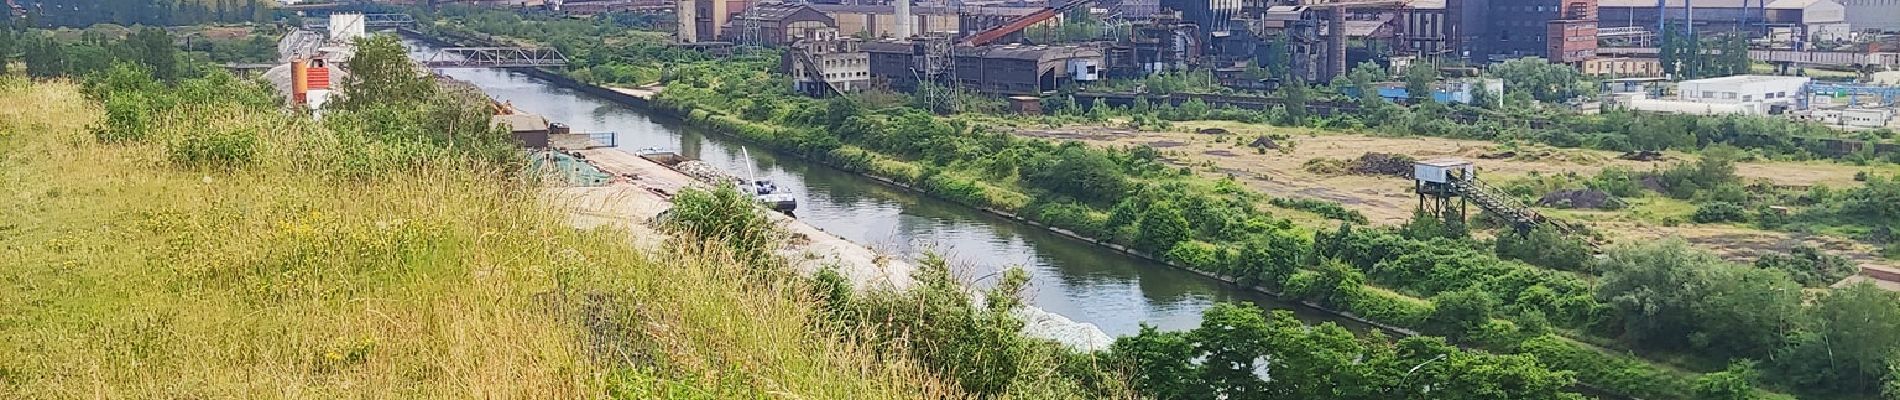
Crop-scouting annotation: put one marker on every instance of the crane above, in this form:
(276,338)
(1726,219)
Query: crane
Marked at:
(993,34)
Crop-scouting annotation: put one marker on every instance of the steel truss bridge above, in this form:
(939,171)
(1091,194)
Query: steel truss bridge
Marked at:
(370,22)
(496,57)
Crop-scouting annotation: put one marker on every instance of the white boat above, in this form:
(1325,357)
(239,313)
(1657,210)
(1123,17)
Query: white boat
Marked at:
(767,193)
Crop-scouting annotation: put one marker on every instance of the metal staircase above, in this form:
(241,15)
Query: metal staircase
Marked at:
(1505,206)
(804,59)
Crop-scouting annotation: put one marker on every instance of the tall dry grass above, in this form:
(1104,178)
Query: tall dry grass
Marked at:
(124,274)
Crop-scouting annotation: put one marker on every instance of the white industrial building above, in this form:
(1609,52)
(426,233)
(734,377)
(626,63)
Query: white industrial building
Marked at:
(1760,94)
(1745,94)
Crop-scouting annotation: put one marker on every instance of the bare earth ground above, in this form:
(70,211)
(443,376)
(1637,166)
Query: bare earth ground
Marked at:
(1389,200)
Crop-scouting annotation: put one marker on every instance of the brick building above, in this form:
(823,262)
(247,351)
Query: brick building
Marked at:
(1559,30)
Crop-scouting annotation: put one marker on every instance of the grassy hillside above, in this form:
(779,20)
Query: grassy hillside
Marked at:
(228,251)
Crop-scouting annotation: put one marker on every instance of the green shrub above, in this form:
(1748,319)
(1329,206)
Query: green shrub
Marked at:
(1545,246)
(1324,208)
(1198,255)
(1075,217)
(1388,307)
(1720,211)
(1808,265)
(1615,374)
(218,148)
(128,117)
(724,215)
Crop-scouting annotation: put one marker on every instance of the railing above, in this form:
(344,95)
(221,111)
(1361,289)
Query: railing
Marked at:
(1522,216)
(496,57)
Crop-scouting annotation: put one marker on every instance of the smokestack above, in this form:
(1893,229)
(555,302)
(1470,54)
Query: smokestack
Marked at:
(902,28)
(299,82)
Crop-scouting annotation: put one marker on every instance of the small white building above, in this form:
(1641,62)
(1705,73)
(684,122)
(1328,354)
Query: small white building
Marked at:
(1641,102)
(1759,95)
(1854,118)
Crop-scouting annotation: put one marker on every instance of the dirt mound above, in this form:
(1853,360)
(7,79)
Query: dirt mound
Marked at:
(1264,143)
(1580,198)
(1166,143)
(1642,155)
(1211,131)
(1219,153)
(1382,164)
(1504,155)
(1323,166)
(1654,183)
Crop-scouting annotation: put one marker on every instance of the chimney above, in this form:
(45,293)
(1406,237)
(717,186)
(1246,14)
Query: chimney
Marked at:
(901,29)
(299,82)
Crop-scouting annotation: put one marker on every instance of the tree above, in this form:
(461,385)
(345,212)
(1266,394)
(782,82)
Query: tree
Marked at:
(1539,78)
(1420,79)
(1272,259)
(1080,172)
(44,57)
(154,48)
(1231,339)
(1666,295)
(1424,226)
(1544,245)
(9,44)
(381,73)
(1243,354)
(1849,344)
(1162,225)
(1279,58)
(1660,132)
(1295,98)
(1458,314)
(1361,80)
(1158,363)
(1735,383)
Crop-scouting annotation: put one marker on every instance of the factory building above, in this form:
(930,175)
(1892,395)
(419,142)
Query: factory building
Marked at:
(1424,27)
(825,63)
(1876,15)
(774,24)
(1562,31)
(1803,20)
(1810,20)
(881,20)
(596,7)
(1014,70)
(700,20)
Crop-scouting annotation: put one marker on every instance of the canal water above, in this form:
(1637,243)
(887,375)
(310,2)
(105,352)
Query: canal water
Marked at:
(1075,279)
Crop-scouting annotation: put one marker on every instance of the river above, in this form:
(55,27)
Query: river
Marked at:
(1075,279)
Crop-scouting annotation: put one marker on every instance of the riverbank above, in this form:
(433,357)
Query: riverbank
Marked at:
(641,190)
(1407,311)
(645,97)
